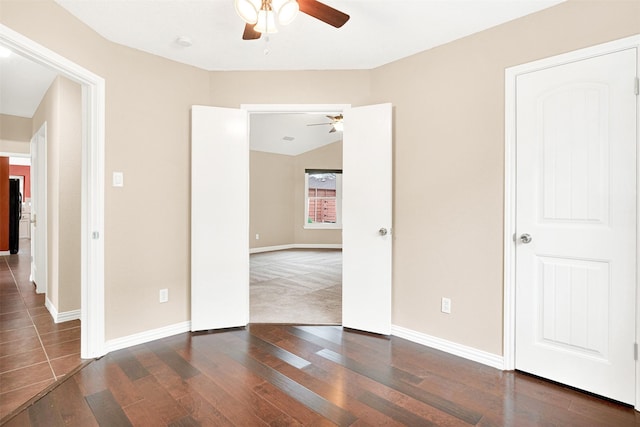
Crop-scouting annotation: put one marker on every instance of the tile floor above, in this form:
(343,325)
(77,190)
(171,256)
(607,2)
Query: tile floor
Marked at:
(34,350)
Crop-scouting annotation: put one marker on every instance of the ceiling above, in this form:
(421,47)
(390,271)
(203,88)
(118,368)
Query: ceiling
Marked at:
(23,84)
(379,32)
(273,132)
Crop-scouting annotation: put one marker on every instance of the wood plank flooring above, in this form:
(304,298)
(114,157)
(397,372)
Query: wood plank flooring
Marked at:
(283,375)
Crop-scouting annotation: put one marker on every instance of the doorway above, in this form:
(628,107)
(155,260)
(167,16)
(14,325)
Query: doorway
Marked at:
(296,259)
(219,249)
(570,227)
(92,197)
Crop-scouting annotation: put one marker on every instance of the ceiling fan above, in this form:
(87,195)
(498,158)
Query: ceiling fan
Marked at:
(336,123)
(261,15)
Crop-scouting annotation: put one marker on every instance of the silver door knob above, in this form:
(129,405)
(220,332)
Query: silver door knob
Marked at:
(526,238)
(383,231)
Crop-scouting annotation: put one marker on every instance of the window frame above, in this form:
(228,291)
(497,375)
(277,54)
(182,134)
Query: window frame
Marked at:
(323,226)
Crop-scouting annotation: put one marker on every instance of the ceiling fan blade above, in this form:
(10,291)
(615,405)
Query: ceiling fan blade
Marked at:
(323,12)
(319,124)
(250,33)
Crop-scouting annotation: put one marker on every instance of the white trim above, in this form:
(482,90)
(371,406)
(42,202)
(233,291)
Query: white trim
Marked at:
(147,336)
(3,253)
(42,281)
(470,353)
(510,187)
(14,154)
(92,199)
(296,246)
(65,316)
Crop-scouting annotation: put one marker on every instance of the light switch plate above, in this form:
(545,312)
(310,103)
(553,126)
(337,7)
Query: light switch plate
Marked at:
(118,179)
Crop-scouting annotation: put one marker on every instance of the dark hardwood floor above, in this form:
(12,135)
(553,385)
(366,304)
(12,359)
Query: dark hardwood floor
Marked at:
(281,375)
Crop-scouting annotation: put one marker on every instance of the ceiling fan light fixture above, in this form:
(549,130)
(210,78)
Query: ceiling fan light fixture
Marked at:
(339,125)
(248,10)
(266,22)
(287,10)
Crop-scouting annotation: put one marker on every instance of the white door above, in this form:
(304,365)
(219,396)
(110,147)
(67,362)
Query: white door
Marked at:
(576,201)
(38,209)
(219,218)
(366,218)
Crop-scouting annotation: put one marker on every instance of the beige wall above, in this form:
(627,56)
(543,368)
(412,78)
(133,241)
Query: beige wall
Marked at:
(277,197)
(449,179)
(15,134)
(61,110)
(271,199)
(233,88)
(148,102)
(449,126)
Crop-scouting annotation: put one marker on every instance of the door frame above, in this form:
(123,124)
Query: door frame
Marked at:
(287,108)
(92,335)
(41,287)
(509,272)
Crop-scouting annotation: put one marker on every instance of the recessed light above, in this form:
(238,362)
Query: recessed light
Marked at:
(184,41)
(4,52)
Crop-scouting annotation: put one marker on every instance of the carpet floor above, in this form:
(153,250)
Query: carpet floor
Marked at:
(299,286)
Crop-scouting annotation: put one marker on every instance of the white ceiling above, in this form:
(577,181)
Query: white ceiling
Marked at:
(23,84)
(379,32)
(272,132)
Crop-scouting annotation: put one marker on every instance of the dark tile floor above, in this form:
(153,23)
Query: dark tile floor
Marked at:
(34,350)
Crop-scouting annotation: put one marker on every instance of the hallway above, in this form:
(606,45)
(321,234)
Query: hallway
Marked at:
(34,351)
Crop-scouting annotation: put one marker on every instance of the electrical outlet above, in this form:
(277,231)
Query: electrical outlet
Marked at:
(164,295)
(257,236)
(446,305)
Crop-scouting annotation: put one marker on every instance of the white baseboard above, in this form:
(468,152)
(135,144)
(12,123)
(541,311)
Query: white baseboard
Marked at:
(450,347)
(65,316)
(3,253)
(144,337)
(296,246)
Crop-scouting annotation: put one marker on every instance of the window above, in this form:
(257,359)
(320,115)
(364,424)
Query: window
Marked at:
(323,198)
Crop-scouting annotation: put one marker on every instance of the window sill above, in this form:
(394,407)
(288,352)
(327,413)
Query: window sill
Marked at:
(322,227)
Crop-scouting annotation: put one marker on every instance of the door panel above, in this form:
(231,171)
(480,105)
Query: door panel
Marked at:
(38,209)
(219,218)
(367,208)
(576,198)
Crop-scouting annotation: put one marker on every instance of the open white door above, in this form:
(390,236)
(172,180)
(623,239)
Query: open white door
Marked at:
(367,218)
(219,218)
(38,209)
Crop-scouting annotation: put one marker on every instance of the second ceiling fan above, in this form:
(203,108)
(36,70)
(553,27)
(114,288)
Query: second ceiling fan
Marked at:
(261,15)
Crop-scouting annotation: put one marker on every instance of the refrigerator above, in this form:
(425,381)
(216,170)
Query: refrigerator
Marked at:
(15,213)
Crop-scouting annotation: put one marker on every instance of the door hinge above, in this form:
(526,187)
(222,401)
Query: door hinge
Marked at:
(635,351)
(637,86)
(95,235)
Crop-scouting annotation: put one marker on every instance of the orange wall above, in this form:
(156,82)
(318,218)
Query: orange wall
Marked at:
(4,203)
(17,170)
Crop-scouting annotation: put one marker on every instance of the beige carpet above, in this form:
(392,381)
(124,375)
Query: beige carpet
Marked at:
(299,286)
